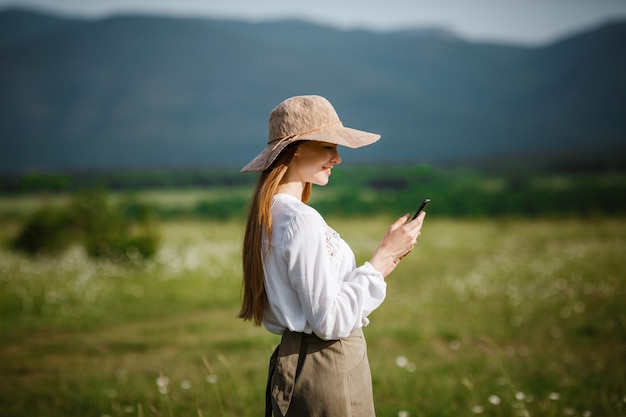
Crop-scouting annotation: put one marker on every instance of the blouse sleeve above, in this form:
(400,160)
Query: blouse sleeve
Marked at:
(333,305)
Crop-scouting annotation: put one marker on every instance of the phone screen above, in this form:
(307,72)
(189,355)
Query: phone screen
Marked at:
(425,204)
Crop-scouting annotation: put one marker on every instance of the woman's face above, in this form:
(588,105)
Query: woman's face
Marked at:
(313,162)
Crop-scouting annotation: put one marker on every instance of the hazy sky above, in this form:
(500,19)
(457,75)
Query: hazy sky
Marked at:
(519,21)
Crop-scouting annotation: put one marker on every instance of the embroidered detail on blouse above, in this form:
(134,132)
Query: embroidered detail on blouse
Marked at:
(332,242)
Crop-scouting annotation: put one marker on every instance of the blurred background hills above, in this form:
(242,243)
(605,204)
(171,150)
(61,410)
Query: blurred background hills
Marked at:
(143,91)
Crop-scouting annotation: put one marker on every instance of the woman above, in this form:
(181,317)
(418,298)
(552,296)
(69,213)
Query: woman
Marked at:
(300,278)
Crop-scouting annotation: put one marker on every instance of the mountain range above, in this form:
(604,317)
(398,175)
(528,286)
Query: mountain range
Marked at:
(142,91)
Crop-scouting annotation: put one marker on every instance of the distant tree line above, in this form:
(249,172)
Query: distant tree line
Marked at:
(121,180)
(366,191)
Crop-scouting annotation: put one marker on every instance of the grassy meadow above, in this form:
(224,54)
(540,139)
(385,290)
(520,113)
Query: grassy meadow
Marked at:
(503,316)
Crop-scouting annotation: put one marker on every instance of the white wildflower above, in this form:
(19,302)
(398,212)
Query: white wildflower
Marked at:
(494,399)
(163,383)
(402,361)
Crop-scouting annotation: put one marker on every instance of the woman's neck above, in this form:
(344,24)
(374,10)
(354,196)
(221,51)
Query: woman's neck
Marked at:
(292,188)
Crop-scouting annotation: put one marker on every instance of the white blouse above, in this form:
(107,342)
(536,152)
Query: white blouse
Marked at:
(311,279)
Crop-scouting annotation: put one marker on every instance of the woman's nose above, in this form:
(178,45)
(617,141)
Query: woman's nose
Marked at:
(336,159)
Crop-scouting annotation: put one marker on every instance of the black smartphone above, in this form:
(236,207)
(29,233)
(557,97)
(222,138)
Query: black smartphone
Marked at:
(425,204)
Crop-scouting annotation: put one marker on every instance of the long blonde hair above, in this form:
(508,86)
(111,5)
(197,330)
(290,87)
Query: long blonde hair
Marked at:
(260,221)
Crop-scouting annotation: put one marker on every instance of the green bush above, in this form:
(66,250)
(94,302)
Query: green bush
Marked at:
(120,233)
(49,230)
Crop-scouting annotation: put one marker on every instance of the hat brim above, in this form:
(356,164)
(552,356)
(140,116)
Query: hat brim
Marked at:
(340,135)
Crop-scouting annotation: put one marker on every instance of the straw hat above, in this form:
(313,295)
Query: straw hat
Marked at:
(306,118)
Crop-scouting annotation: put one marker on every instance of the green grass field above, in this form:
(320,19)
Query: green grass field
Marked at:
(491,318)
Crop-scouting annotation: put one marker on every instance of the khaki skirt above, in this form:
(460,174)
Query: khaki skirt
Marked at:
(312,377)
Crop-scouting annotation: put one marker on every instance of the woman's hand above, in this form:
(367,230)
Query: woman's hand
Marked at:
(397,242)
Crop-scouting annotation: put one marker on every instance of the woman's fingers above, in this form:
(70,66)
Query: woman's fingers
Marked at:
(400,222)
(418,220)
(415,225)
(398,242)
